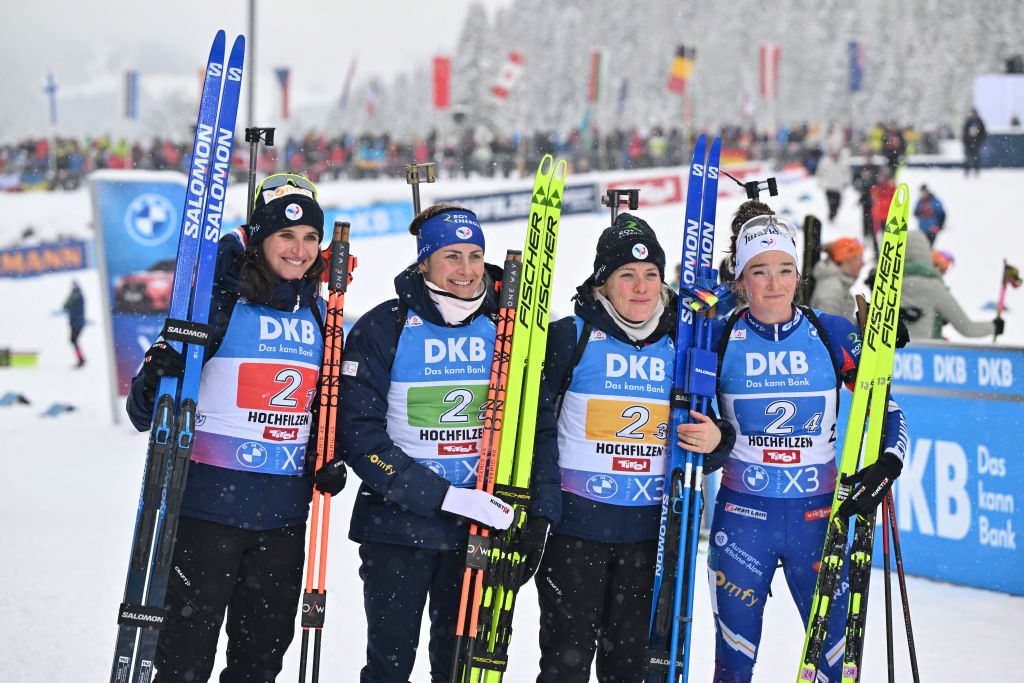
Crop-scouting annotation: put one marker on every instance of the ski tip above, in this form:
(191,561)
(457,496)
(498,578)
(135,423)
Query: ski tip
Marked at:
(547,164)
(902,194)
(239,43)
(561,170)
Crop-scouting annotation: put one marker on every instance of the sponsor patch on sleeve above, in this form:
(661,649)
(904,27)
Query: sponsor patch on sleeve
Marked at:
(349,367)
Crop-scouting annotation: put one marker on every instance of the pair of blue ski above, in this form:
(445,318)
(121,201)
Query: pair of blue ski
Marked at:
(142,612)
(693,387)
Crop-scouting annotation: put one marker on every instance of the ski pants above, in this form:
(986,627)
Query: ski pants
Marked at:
(594,597)
(397,580)
(750,535)
(255,576)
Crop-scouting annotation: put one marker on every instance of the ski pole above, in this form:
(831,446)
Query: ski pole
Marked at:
(887,574)
(314,602)
(253,136)
(901,575)
(478,548)
(412,177)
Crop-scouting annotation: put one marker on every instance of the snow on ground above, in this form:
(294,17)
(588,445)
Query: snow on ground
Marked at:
(70,486)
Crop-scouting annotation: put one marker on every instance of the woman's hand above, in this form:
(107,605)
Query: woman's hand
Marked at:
(702,436)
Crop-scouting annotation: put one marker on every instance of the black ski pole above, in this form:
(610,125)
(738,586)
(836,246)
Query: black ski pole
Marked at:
(903,586)
(412,176)
(253,137)
(887,573)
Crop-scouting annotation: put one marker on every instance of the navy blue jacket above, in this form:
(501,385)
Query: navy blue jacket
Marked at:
(75,307)
(580,517)
(399,500)
(249,500)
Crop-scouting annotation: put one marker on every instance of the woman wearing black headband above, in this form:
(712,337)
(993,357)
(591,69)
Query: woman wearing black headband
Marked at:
(241,536)
(414,377)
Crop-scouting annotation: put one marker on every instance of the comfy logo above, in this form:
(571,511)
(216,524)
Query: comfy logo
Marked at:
(631,465)
(280,433)
(463,448)
(781,457)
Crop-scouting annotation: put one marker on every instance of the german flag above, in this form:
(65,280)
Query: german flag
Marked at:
(682,67)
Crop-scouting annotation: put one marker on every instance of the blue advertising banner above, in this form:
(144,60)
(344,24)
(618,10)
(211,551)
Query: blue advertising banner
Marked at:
(43,258)
(138,218)
(956,500)
(510,206)
(370,221)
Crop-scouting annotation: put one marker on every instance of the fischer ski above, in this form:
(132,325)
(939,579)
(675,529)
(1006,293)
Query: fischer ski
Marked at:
(694,385)
(493,567)
(142,612)
(867,412)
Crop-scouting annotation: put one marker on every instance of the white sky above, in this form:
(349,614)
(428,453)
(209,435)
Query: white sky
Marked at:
(89,45)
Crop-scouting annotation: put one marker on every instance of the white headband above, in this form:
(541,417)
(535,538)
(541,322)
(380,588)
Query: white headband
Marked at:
(761,234)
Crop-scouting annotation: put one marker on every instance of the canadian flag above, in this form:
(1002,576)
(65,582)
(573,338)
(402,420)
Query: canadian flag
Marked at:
(508,75)
(769,64)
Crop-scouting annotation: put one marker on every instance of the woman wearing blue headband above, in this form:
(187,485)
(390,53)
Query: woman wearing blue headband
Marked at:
(414,378)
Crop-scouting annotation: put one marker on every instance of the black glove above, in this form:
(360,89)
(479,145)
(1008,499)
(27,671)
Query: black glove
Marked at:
(531,545)
(999,325)
(869,486)
(902,333)
(331,477)
(161,361)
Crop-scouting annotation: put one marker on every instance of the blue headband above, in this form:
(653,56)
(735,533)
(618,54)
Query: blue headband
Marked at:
(449,227)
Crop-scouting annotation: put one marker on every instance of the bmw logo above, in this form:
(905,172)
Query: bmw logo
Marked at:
(602,486)
(434,466)
(755,478)
(251,454)
(463,233)
(150,219)
(640,251)
(293,212)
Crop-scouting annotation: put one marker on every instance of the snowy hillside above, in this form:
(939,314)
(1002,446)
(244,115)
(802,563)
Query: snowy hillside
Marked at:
(70,488)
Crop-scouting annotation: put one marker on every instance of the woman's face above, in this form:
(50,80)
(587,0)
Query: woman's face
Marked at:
(769,281)
(457,269)
(290,252)
(634,290)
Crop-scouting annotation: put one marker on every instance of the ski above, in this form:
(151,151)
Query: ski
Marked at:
(314,599)
(483,630)
(693,387)
(867,412)
(142,613)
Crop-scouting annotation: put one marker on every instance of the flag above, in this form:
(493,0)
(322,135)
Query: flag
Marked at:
(769,67)
(1011,275)
(509,75)
(131,94)
(51,95)
(284,79)
(620,103)
(371,98)
(442,82)
(348,83)
(856,65)
(594,83)
(681,69)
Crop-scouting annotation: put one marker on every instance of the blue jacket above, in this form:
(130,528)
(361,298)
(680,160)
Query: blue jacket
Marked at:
(75,307)
(578,516)
(249,500)
(931,217)
(399,499)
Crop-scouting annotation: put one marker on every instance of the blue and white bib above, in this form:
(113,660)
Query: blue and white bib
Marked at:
(255,394)
(614,421)
(438,388)
(781,398)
